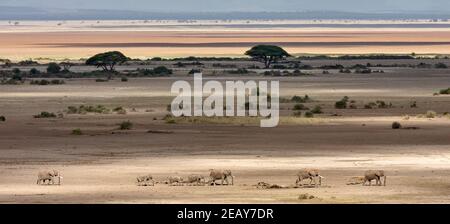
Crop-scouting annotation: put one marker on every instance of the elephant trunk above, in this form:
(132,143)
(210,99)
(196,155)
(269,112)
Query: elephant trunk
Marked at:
(384,181)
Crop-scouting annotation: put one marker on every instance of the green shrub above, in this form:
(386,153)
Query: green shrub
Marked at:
(34,71)
(193,71)
(309,114)
(370,105)
(396,125)
(2,118)
(44,82)
(72,110)
(300,107)
(101,80)
(126,125)
(124,79)
(77,132)
(57,82)
(45,114)
(317,110)
(444,91)
(440,66)
(162,70)
(239,71)
(53,68)
(299,99)
(341,104)
(16,71)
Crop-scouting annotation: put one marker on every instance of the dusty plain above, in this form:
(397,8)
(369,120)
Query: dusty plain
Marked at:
(101,165)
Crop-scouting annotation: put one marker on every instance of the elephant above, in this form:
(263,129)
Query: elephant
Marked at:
(195,179)
(374,175)
(311,174)
(143,180)
(222,175)
(49,176)
(175,180)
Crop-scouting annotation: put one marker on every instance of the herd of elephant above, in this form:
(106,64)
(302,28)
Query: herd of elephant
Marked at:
(48,177)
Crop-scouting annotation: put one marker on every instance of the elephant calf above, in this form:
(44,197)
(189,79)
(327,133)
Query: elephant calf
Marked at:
(222,175)
(144,180)
(195,179)
(175,180)
(49,176)
(374,175)
(311,174)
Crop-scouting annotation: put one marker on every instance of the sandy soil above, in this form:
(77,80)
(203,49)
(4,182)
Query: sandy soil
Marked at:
(101,165)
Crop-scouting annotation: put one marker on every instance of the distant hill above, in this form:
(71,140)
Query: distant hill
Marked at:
(30,13)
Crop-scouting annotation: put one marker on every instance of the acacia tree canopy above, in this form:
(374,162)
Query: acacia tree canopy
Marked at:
(107,60)
(267,54)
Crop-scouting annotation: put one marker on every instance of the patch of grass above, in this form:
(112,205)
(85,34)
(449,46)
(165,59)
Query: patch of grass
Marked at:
(77,132)
(378,104)
(126,125)
(447,115)
(430,114)
(84,109)
(45,114)
(120,110)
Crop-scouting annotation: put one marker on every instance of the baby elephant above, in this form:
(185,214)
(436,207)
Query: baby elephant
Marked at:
(311,174)
(195,179)
(49,176)
(222,175)
(374,175)
(145,180)
(175,180)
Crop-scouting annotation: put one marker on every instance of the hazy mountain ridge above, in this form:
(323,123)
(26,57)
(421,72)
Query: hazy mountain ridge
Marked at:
(30,13)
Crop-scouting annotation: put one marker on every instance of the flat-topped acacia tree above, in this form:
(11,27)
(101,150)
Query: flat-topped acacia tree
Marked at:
(267,54)
(108,60)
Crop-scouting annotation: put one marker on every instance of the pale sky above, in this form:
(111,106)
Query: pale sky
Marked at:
(241,5)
